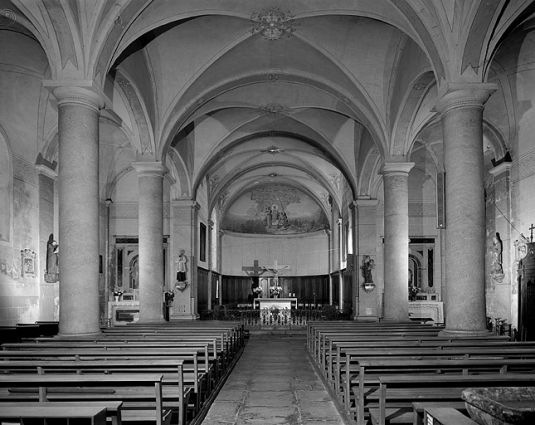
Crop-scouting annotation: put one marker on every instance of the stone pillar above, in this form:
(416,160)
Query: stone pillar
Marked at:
(47,290)
(107,259)
(461,109)
(210,253)
(184,237)
(396,246)
(78,137)
(366,210)
(151,261)
(219,288)
(353,266)
(329,271)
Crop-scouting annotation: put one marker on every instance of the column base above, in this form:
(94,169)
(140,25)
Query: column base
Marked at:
(182,316)
(89,336)
(463,334)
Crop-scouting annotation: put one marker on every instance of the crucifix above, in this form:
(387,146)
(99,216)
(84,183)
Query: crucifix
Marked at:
(531,228)
(275,269)
(254,271)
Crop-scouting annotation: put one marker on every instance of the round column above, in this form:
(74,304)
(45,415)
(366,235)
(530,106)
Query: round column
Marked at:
(396,244)
(78,137)
(151,272)
(462,122)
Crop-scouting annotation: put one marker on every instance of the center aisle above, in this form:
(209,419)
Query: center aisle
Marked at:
(274,382)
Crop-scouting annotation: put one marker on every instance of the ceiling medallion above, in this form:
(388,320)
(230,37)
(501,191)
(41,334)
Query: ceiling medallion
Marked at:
(275,109)
(273,23)
(272,150)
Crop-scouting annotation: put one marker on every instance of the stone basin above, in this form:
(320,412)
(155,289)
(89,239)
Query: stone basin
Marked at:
(501,405)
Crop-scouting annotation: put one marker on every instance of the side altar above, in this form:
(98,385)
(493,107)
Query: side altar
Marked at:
(280,303)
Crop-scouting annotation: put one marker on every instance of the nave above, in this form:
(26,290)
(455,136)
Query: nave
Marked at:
(211,372)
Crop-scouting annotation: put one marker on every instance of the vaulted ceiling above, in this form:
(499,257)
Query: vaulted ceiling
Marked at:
(312,94)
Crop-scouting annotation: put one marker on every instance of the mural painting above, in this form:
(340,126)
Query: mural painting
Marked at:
(275,210)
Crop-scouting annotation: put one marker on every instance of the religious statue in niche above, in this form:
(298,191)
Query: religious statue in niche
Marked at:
(52,260)
(181,283)
(367,267)
(497,260)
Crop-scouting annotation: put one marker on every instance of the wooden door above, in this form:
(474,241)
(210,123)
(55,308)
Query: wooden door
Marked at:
(526,276)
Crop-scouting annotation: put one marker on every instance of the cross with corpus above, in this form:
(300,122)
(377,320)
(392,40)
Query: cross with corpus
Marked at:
(532,228)
(254,271)
(275,269)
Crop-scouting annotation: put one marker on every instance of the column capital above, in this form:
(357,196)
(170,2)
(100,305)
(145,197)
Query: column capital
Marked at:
(75,94)
(504,167)
(151,168)
(365,203)
(463,95)
(396,168)
(46,171)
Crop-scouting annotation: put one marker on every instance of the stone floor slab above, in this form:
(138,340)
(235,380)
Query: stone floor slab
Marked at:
(274,383)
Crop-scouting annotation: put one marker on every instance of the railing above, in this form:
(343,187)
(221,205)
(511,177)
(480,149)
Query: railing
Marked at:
(274,317)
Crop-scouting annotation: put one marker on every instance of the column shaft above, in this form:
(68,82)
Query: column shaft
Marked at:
(462,122)
(78,134)
(151,272)
(396,246)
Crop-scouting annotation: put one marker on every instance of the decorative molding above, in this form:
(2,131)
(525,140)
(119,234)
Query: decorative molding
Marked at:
(273,150)
(523,167)
(274,109)
(272,23)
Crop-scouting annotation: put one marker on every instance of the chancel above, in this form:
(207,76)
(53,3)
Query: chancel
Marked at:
(369,163)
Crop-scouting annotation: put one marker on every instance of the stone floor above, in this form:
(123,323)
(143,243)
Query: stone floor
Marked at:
(274,382)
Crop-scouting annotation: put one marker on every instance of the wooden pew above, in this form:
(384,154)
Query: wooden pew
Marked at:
(419,408)
(447,416)
(113,408)
(371,370)
(195,374)
(337,351)
(172,371)
(204,351)
(75,383)
(83,415)
(406,388)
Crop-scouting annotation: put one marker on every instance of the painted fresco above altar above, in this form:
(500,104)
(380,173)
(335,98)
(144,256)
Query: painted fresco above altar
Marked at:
(276,210)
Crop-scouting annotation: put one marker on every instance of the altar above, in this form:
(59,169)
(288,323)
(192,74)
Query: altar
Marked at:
(431,311)
(280,303)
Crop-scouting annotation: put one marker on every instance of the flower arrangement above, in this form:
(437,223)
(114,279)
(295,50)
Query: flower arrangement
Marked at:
(118,291)
(413,291)
(258,290)
(275,290)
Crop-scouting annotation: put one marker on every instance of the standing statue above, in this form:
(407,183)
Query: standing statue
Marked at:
(181,270)
(496,268)
(367,267)
(52,256)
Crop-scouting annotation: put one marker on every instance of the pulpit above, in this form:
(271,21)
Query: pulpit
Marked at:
(280,303)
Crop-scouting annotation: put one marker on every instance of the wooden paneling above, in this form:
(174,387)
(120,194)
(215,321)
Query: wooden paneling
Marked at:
(307,289)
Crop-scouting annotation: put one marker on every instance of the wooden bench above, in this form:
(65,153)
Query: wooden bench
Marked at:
(144,404)
(447,416)
(82,415)
(113,408)
(399,391)
(364,386)
(419,408)
(192,381)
